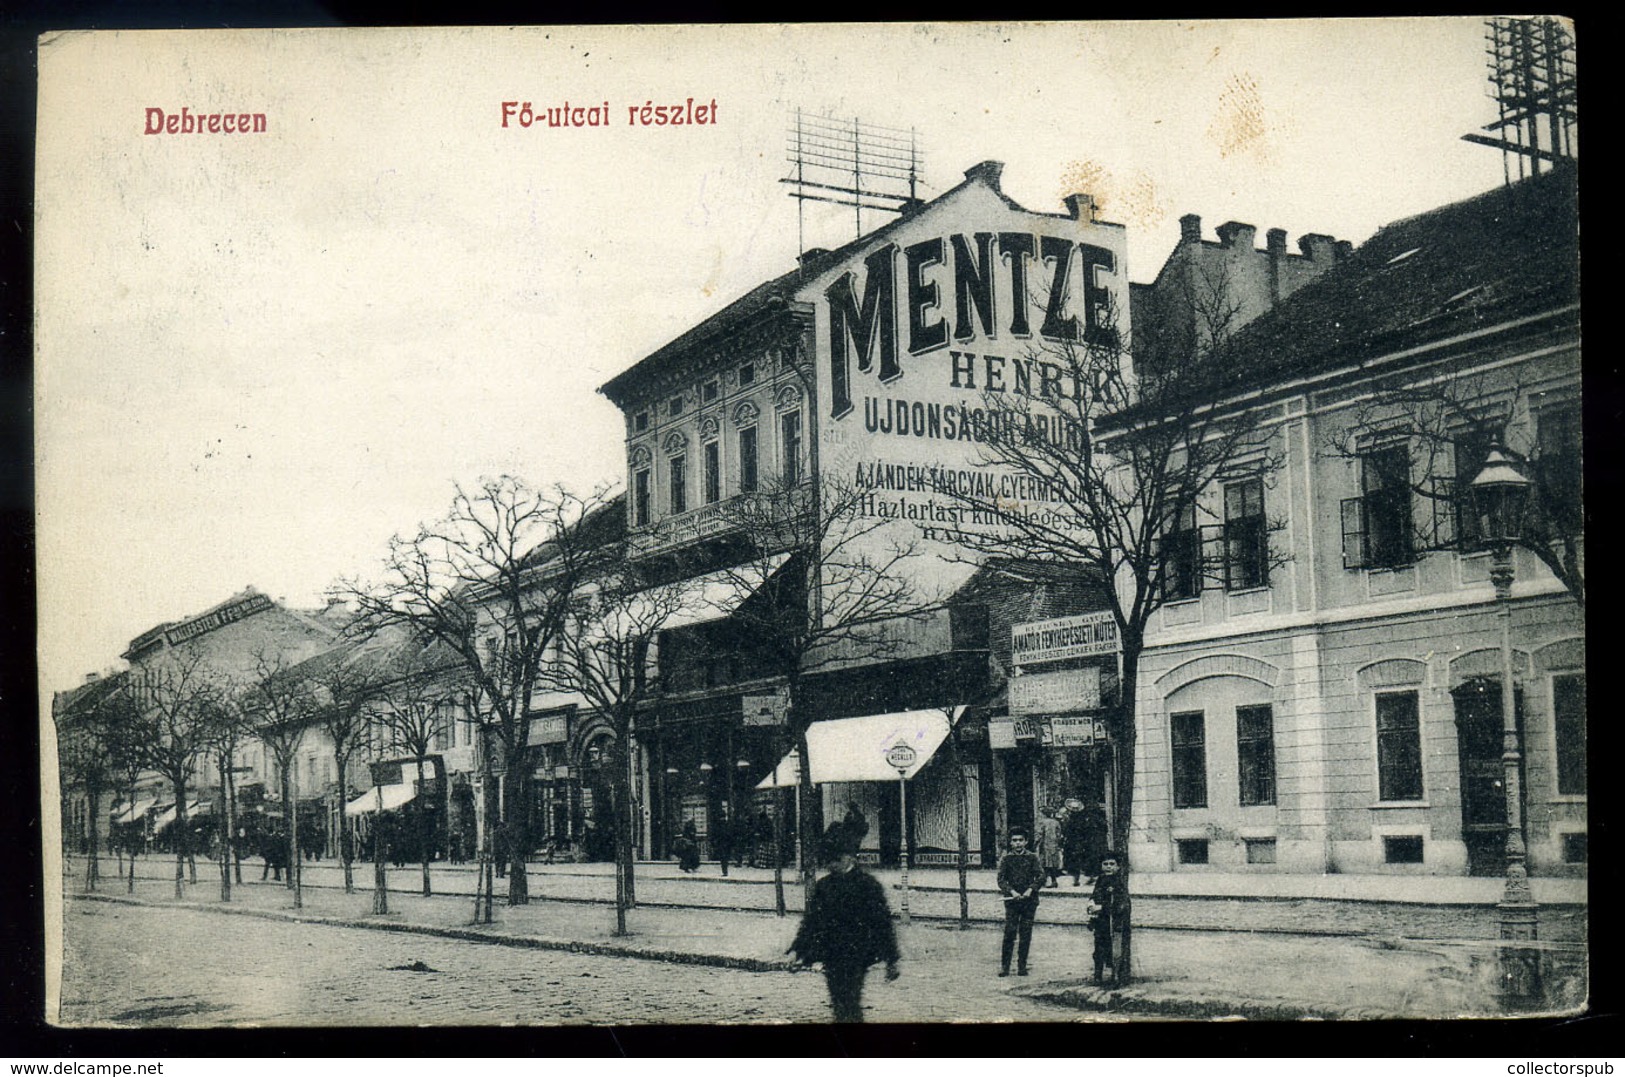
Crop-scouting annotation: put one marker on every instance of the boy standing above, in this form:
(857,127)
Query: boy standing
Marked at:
(1021,874)
(1108,913)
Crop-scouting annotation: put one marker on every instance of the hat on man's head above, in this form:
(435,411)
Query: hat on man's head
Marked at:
(838,841)
(1021,832)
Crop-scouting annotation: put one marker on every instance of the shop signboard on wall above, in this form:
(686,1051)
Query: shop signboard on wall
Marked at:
(944,334)
(1056,690)
(550,729)
(767,709)
(1085,635)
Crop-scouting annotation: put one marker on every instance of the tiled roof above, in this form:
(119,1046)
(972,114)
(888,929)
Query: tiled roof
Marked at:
(1509,252)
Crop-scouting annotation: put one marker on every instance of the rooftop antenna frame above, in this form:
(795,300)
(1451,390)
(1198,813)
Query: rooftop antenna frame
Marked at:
(833,158)
(1532,81)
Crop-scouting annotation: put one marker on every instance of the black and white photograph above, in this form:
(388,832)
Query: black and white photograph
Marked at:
(1076,523)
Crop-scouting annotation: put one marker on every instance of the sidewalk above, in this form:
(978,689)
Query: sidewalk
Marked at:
(1184,973)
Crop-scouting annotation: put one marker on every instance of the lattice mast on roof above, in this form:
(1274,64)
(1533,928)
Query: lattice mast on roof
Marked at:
(851,163)
(1532,82)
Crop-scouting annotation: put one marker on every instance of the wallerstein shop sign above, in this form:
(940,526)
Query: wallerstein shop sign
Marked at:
(1085,635)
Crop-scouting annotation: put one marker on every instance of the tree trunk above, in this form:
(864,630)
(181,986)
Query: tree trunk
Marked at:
(1123,791)
(380,874)
(92,869)
(231,815)
(296,877)
(515,834)
(807,856)
(964,833)
(223,813)
(180,838)
(425,828)
(346,832)
(135,846)
(623,837)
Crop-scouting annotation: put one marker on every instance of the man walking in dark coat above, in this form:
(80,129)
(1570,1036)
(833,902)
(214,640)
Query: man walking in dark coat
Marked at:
(847,927)
(1021,875)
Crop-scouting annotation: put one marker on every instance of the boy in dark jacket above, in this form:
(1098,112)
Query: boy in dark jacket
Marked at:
(847,927)
(1021,874)
(1108,914)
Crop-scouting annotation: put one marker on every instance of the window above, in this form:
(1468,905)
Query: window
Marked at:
(640,497)
(1191,850)
(674,406)
(747,374)
(1246,537)
(1377,525)
(1569,724)
(1190,760)
(790,443)
(679,484)
(710,390)
(1559,468)
(1402,849)
(1255,754)
(1574,849)
(713,473)
(747,460)
(1182,557)
(1399,746)
(1471,449)
(1260,850)
(640,422)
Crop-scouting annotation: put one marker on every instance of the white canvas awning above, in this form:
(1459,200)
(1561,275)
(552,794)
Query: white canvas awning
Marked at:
(854,749)
(169,815)
(131,812)
(392,796)
(705,598)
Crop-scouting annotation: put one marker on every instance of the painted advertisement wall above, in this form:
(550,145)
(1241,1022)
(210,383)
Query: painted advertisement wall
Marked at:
(920,329)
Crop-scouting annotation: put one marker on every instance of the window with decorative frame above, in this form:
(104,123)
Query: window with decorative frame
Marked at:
(1377,525)
(1189,739)
(1246,536)
(677,469)
(713,472)
(1255,753)
(1182,556)
(1569,727)
(1399,745)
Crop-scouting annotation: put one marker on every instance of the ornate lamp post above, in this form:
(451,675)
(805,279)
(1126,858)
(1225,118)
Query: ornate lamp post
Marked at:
(1500,493)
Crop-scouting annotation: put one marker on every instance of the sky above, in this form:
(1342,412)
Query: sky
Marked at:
(259,356)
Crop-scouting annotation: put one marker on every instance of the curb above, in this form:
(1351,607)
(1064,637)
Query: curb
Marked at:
(1136,1001)
(469,934)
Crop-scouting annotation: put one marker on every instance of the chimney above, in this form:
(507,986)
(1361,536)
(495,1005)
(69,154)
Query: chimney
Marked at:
(1238,235)
(92,678)
(1275,244)
(1317,247)
(1190,228)
(1080,206)
(987,172)
(811,255)
(1344,249)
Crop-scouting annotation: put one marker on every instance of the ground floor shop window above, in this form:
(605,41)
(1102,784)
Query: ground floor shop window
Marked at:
(1255,753)
(1569,723)
(1399,746)
(1189,760)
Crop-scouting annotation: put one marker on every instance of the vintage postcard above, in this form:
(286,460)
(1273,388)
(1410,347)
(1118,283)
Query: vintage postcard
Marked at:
(775,524)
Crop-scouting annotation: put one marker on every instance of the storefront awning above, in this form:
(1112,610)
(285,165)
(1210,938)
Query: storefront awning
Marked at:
(854,749)
(391,796)
(168,816)
(710,597)
(131,812)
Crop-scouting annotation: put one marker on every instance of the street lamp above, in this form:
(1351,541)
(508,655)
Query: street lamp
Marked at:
(901,756)
(1500,494)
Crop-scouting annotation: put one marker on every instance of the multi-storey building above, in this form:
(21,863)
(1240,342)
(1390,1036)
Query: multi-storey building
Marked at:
(1321,692)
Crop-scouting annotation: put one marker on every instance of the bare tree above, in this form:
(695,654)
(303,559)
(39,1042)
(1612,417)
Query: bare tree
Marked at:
(84,761)
(493,581)
(179,703)
(606,658)
(121,730)
(834,591)
(344,682)
(1447,426)
(416,706)
(278,704)
(1119,458)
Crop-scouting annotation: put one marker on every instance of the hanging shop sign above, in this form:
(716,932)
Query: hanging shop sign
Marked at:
(1085,635)
(1076,730)
(550,729)
(768,709)
(1056,691)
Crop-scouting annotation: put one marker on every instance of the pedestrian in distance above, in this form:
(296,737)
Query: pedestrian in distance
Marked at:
(687,847)
(1108,914)
(1074,840)
(1021,876)
(724,840)
(847,926)
(1049,844)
